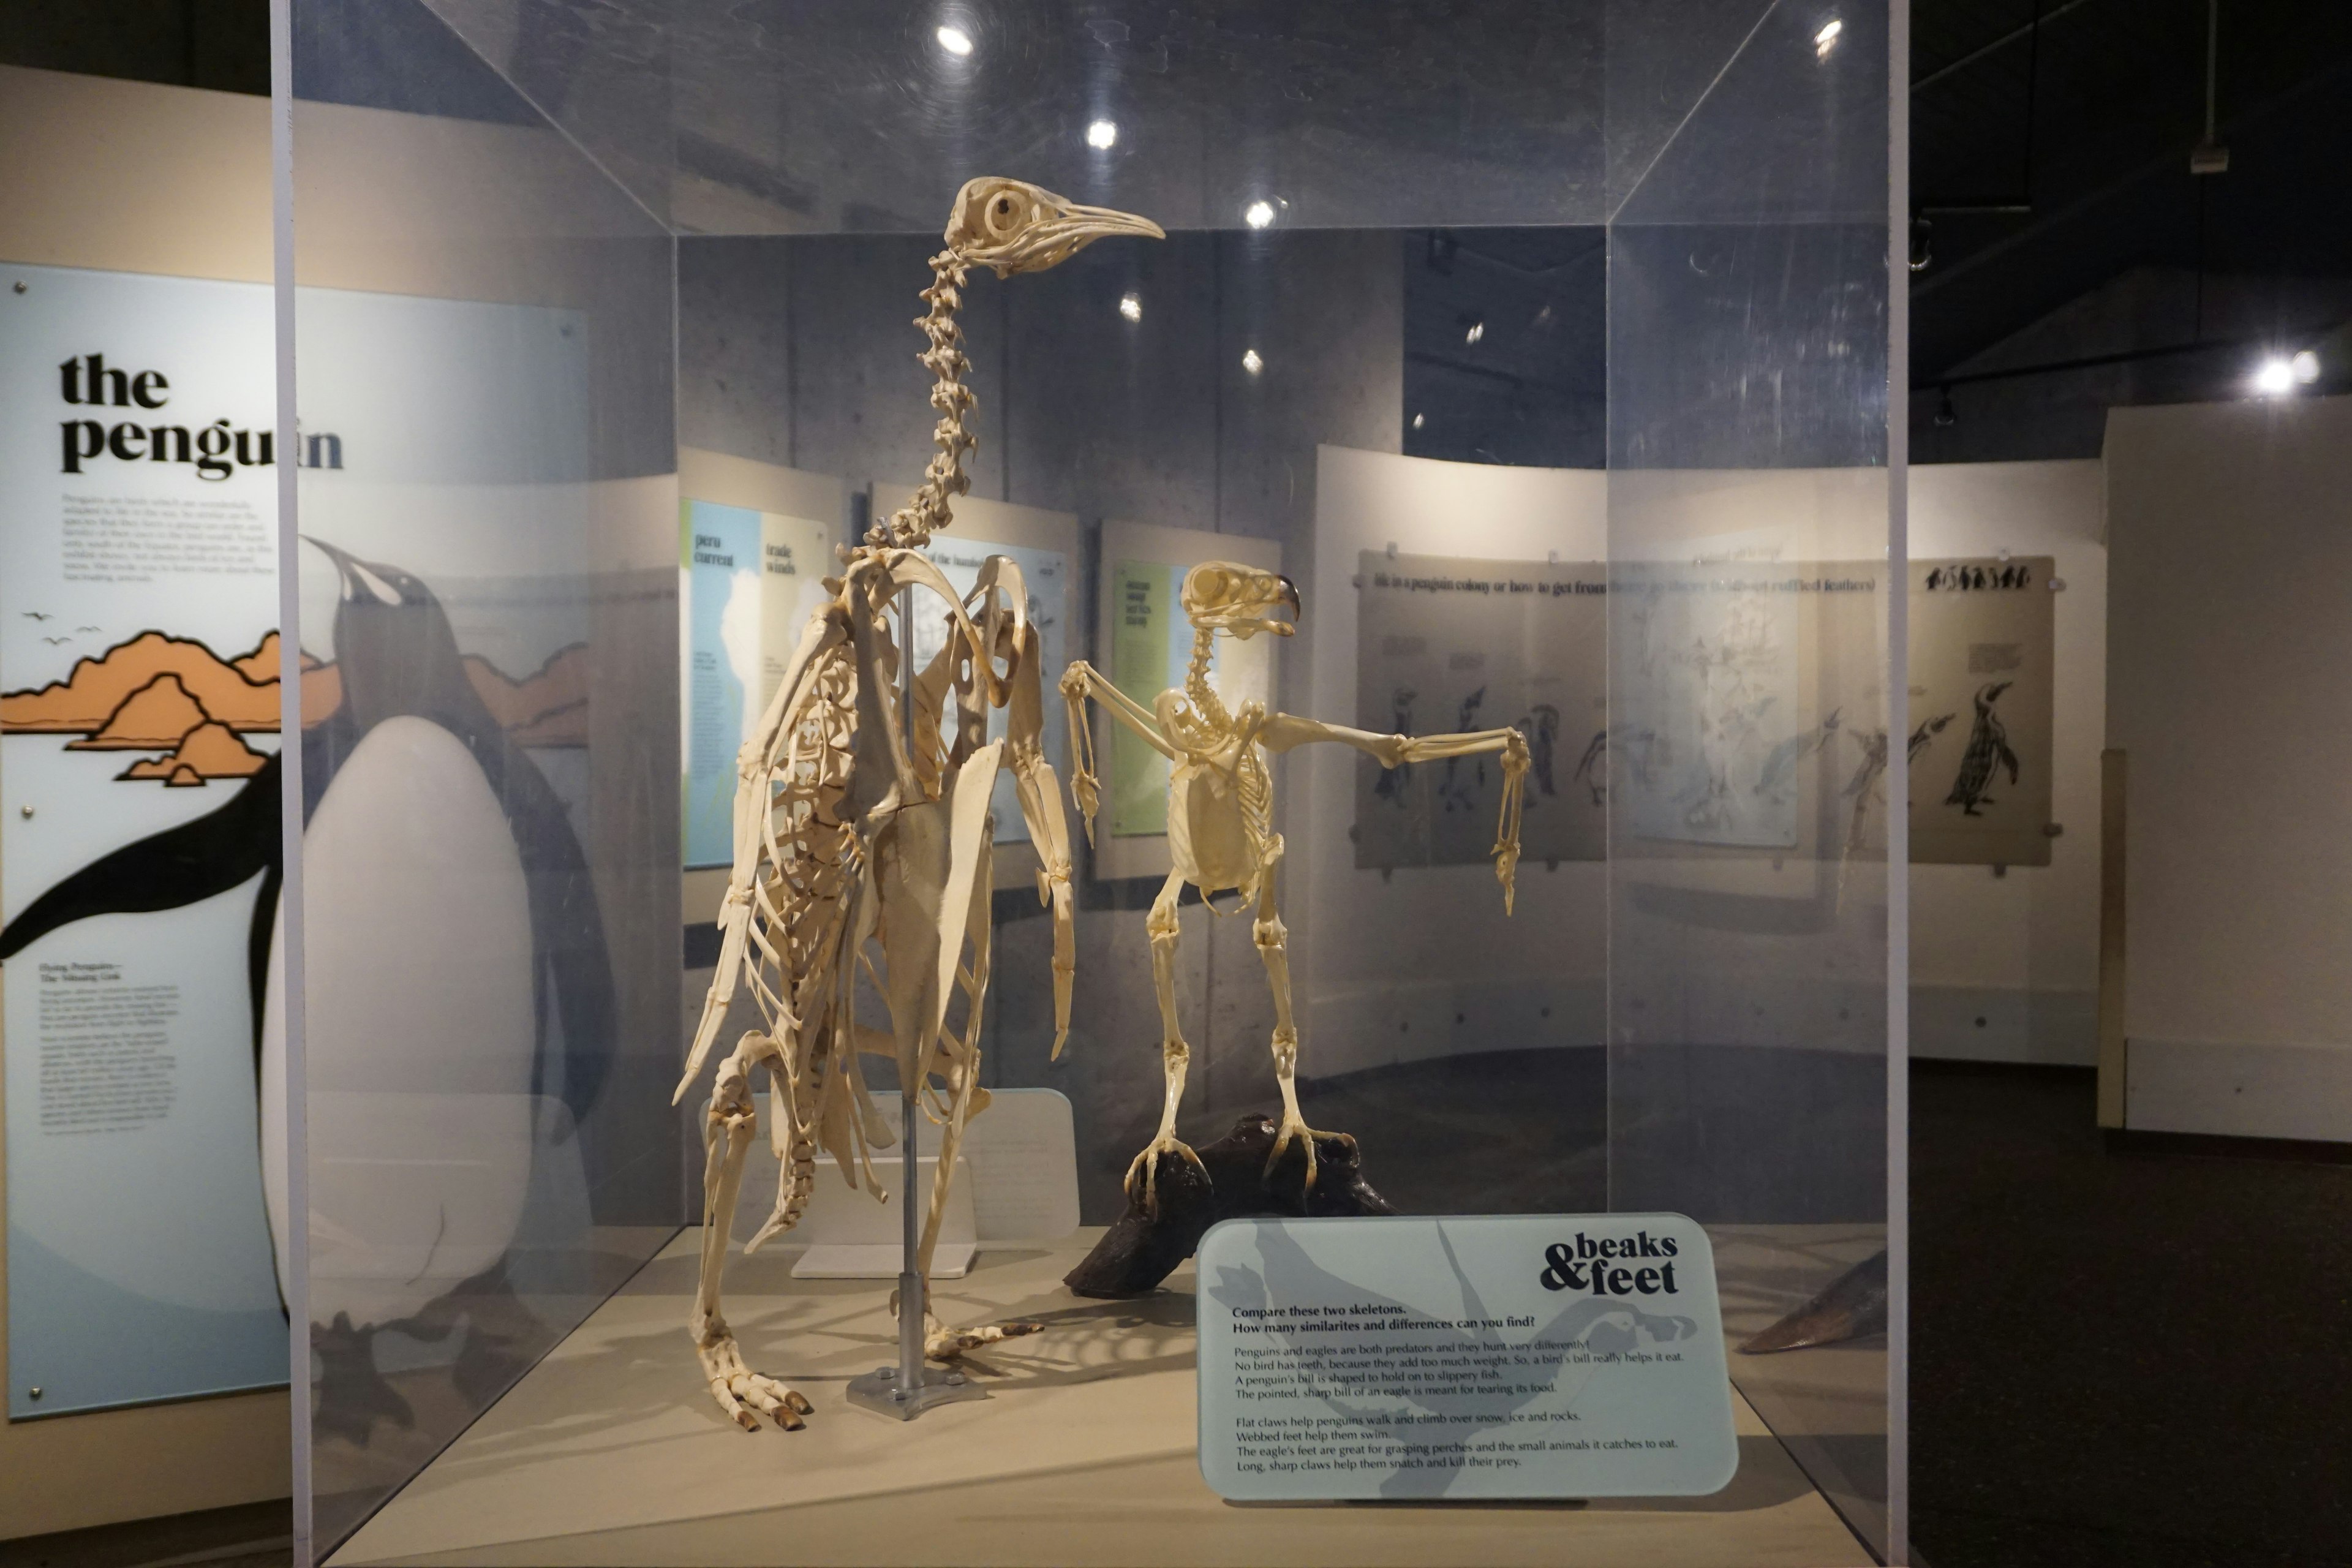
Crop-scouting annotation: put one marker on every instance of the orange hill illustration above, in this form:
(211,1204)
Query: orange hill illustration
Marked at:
(548,708)
(211,750)
(175,696)
(87,700)
(156,715)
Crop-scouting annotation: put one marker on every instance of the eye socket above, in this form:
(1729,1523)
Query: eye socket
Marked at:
(1002,214)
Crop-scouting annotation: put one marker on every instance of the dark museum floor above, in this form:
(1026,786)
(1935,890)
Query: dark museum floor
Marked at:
(2119,1358)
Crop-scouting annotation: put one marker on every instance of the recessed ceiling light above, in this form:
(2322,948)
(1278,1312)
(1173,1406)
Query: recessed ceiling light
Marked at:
(2275,377)
(1419,420)
(1251,362)
(1102,135)
(955,40)
(1130,305)
(1477,330)
(1258,214)
(1826,39)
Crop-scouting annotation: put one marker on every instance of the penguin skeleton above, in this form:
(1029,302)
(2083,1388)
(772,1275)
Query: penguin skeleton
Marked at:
(856,831)
(1220,820)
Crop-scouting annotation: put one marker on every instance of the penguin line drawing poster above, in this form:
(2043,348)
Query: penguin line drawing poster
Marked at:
(1445,644)
(1714,728)
(139,698)
(1982,688)
(748,582)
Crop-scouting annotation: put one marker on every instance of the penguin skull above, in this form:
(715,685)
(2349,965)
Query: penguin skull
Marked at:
(1218,595)
(1011,226)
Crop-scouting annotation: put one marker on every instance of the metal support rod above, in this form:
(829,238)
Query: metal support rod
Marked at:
(910,1387)
(912,1307)
(910,1277)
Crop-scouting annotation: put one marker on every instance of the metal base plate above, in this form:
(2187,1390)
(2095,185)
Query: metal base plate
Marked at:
(878,1391)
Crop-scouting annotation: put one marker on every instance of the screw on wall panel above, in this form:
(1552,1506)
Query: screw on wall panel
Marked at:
(26,812)
(33,1392)
(20,286)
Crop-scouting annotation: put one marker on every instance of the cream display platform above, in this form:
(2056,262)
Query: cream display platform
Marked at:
(1084,1453)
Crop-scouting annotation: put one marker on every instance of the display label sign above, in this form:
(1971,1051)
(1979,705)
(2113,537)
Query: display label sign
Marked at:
(1504,1356)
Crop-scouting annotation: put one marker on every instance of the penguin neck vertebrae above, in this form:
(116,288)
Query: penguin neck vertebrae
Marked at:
(911,526)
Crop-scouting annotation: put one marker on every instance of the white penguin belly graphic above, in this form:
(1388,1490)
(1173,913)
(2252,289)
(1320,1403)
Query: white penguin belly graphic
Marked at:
(418,1027)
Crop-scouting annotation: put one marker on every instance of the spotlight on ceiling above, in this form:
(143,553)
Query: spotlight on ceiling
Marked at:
(1251,362)
(1477,330)
(1258,214)
(1826,39)
(2275,377)
(1102,135)
(954,39)
(1419,420)
(2305,365)
(1130,305)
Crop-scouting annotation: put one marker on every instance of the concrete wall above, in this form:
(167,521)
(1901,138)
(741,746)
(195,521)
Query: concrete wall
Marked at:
(2231,529)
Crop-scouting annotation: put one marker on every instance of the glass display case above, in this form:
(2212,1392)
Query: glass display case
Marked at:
(1541,351)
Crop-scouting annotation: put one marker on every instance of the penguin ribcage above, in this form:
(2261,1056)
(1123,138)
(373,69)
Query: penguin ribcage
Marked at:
(801,899)
(809,846)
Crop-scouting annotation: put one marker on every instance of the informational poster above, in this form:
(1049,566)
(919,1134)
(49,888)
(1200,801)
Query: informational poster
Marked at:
(749,581)
(1982,682)
(138,693)
(1046,575)
(1505,1357)
(1144,646)
(1446,645)
(1151,646)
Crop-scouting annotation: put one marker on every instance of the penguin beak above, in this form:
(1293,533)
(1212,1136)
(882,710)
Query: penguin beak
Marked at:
(360,580)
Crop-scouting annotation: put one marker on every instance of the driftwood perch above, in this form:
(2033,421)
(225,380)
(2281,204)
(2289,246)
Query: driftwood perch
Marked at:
(1229,1179)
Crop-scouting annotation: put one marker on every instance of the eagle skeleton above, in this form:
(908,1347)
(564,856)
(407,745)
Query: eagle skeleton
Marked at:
(1220,832)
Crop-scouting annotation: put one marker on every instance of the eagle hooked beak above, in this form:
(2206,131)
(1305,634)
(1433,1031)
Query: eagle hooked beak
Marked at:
(1287,597)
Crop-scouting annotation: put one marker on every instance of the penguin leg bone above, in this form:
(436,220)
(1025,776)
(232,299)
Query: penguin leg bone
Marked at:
(727,1136)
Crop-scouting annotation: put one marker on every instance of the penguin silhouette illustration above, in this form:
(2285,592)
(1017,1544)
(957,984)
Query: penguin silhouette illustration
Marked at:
(455,942)
(1592,767)
(1988,752)
(1391,785)
(1455,791)
(1541,727)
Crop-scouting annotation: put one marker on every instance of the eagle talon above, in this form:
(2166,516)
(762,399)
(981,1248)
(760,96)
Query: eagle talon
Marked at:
(1294,1129)
(1148,1163)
